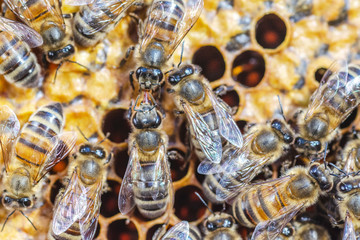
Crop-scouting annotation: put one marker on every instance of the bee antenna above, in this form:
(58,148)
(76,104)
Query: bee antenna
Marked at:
(203,201)
(325,150)
(28,219)
(335,175)
(7,218)
(106,137)
(281,108)
(82,134)
(339,169)
(81,65)
(182,52)
(56,72)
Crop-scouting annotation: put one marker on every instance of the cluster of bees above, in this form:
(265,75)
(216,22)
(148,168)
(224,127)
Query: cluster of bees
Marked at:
(230,161)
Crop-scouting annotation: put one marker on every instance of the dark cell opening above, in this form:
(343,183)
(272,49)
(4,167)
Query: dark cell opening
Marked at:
(60,166)
(241,125)
(319,73)
(121,159)
(231,98)
(270,31)
(150,233)
(210,59)
(178,164)
(187,205)
(55,188)
(109,199)
(117,125)
(183,133)
(248,68)
(119,230)
(349,120)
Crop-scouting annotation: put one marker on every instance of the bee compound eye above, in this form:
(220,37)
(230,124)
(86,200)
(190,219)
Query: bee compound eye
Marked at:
(85,149)
(26,202)
(100,153)
(7,200)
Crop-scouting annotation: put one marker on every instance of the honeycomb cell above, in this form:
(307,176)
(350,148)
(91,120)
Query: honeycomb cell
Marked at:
(121,159)
(320,73)
(178,165)
(55,190)
(152,230)
(231,98)
(109,199)
(60,166)
(187,205)
(117,125)
(121,230)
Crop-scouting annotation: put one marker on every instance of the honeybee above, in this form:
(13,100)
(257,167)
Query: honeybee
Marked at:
(30,154)
(181,231)
(46,18)
(220,225)
(208,116)
(147,180)
(272,204)
(93,21)
(334,100)
(263,144)
(18,64)
(167,24)
(77,206)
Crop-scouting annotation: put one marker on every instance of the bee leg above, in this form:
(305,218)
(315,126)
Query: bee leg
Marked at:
(127,56)
(132,80)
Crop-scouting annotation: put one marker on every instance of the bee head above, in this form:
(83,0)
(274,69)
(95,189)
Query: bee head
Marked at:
(56,56)
(149,78)
(97,152)
(183,72)
(217,221)
(321,176)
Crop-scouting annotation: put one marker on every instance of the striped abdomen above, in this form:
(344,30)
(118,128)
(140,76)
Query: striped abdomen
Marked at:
(18,64)
(72,233)
(166,26)
(194,233)
(94,21)
(36,137)
(253,207)
(151,197)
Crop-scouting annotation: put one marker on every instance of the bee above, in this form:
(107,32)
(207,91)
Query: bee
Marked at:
(18,64)
(208,116)
(147,180)
(350,157)
(181,231)
(45,17)
(220,225)
(93,21)
(334,100)
(271,205)
(167,24)
(263,145)
(30,154)
(77,206)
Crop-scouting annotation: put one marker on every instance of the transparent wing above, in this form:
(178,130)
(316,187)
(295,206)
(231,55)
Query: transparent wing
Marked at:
(179,231)
(71,206)
(169,22)
(98,20)
(272,228)
(341,81)
(9,131)
(126,200)
(349,230)
(227,126)
(77,2)
(25,33)
(209,140)
(46,10)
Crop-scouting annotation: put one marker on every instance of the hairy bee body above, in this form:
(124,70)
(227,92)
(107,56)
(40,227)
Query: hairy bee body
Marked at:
(17,63)
(87,171)
(220,226)
(300,188)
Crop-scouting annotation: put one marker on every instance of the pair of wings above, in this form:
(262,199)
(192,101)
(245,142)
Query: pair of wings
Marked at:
(178,232)
(340,79)
(272,228)
(79,203)
(163,11)
(62,144)
(161,174)
(210,140)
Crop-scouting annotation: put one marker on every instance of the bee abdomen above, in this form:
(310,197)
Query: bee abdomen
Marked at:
(194,233)
(18,65)
(72,233)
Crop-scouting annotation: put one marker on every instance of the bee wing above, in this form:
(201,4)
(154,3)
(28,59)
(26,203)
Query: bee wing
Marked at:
(71,206)
(126,195)
(25,33)
(21,9)
(9,131)
(349,230)
(272,228)
(209,140)
(115,7)
(157,27)
(335,83)
(77,2)
(179,231)
(227,126)
(62,144)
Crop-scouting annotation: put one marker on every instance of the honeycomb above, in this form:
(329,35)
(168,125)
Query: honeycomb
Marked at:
(260,48)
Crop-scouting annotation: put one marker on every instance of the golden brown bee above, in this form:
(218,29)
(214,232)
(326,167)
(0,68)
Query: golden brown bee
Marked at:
(77,206)
(272,204)
(208,116)
(181,231)
(93,21)
(167,24)
(18,64)
(220,225)
(46,18)
(147,180)
(30,154)
(263,144)
(334,100)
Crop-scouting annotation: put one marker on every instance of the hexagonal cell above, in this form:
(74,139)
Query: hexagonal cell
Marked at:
(109,199)
(115,123)
(121,159)
(210,59)
(121,230)
(319,73)
(187,205)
